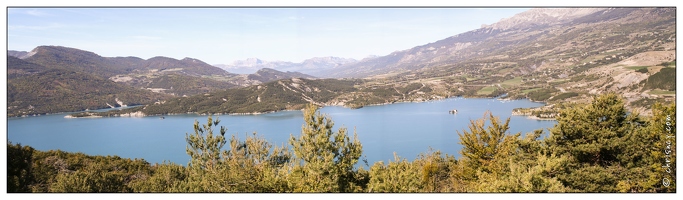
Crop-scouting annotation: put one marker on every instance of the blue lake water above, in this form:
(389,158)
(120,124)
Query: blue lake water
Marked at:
(405,128)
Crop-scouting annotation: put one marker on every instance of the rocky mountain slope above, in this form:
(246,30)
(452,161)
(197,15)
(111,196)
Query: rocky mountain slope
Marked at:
(532,34)
(555,55)
(571,53)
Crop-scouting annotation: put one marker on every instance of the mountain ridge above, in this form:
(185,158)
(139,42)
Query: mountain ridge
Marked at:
(554,58)
(496,39)
(132,79)
(316,66)
(33,89)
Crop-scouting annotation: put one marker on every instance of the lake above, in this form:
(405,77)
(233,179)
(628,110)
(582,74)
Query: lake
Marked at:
(405,128)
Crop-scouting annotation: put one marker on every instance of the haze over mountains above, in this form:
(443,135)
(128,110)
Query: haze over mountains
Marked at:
(553,55)
(524,31)
(315,66)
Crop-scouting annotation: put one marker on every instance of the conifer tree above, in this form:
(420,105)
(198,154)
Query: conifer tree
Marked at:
(253,165)
(484,146)
(662,126)
(205,168)
(204,147)
(495,161)
(594,134)
(166,177)
(595,137)
(434,169)
(323,160)
(399,175)
(19,164)
(650,157)
(256,166)
(94,177)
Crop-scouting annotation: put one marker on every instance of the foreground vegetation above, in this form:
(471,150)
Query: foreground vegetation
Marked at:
(599,147)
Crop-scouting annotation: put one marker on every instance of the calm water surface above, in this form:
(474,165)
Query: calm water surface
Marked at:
(405,128)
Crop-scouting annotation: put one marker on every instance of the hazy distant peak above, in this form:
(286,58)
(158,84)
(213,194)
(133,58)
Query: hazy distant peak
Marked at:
(542,16)
(190,59)
(329,59)
(266,70)
(161,58)
(193,60)
(19,54)
(248,62)
(314,66)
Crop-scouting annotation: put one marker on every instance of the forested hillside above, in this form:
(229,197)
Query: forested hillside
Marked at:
(18,68)
(53,79)
(267,75)
(292,94)
(597,147)
(286,94)
(34,89)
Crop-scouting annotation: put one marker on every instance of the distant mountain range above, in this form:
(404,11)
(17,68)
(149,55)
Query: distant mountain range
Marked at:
(265,75)
(52,79)
(545,54)
(517,37)
(554,55)
(318,66)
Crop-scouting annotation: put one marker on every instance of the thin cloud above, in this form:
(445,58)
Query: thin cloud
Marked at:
(35,28)
(295,18)
(144,37)
(36,13)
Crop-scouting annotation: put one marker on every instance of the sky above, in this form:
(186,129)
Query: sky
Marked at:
(223,35)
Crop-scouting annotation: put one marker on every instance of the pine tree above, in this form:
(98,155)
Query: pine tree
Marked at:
(204,147)
(484,147)
(595,137)
(435,169)
(650,157)
(663,164)
(19,167)
(323,159)
(253,165)
(206,170)
(256,166)
(496,161)
(165,177)
(399,175)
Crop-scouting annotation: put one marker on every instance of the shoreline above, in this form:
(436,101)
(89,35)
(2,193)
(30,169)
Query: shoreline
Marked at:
(438,98)
(71,112)
(540,118)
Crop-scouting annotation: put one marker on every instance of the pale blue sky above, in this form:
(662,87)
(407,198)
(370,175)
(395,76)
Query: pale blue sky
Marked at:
(222,35)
